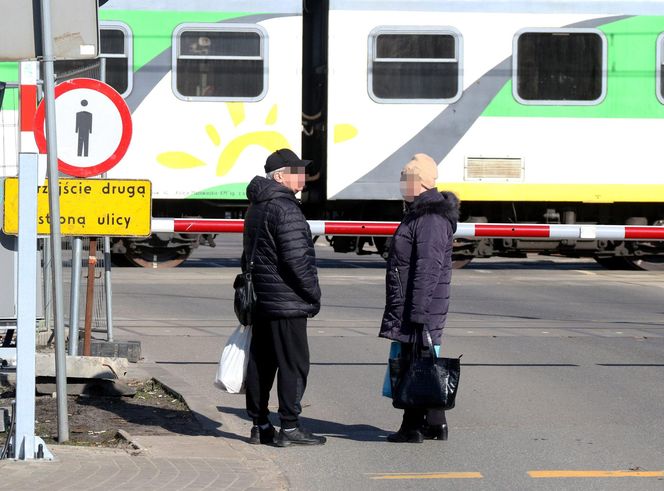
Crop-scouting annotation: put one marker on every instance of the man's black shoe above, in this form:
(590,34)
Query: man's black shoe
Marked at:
(405,436)
(298,436)
(259,435)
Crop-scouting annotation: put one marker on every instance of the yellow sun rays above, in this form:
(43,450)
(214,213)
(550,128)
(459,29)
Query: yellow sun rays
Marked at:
(268,139)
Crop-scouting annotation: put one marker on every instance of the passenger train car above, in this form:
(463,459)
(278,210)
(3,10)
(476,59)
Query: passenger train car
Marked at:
(537,111)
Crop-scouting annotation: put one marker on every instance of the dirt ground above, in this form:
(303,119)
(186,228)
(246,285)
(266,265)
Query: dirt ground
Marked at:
(95,420)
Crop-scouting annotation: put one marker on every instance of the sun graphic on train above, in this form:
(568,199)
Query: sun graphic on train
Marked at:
(270,140)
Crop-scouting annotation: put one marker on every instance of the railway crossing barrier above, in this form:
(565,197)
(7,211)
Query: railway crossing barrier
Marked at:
(464,230)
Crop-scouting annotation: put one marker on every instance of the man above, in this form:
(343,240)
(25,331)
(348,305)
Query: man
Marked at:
(287,291)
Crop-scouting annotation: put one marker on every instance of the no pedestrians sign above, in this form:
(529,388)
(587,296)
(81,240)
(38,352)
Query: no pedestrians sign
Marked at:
(93,127)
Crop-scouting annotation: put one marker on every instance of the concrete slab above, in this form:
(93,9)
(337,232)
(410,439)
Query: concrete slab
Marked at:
(131,350)
(82,366)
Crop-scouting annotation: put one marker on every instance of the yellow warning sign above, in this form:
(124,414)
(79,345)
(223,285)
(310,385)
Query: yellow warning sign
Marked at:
(88,207)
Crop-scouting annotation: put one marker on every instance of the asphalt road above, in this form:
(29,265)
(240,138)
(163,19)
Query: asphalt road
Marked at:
(562,371)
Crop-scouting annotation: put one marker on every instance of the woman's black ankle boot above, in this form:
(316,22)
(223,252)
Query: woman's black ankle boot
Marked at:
(435,432)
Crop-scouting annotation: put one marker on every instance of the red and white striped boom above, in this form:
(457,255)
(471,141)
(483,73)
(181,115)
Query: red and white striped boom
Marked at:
(464,230)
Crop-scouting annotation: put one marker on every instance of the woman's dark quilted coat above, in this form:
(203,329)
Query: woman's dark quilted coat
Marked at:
(419,267)
(284,273)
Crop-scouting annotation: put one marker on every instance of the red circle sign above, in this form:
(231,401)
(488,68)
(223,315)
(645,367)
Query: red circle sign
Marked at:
(125,117)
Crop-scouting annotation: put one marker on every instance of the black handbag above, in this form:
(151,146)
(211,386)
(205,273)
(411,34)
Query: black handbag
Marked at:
(424,381)
(244,302)
(245,298)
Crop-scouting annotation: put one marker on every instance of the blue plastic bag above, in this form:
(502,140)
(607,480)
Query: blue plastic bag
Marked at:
(395,351)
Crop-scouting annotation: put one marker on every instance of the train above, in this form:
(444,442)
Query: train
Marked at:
(537,111)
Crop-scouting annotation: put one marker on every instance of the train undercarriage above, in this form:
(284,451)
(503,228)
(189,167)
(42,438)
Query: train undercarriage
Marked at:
(619,254)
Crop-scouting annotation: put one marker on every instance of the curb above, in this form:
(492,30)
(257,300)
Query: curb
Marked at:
(169,382)
(138,448)
(210,424)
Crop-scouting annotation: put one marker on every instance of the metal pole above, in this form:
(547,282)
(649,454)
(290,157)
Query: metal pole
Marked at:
(108,288)
(48,283)
(77,247)
(24,443)
(102,74)
(54,207)
(89,297)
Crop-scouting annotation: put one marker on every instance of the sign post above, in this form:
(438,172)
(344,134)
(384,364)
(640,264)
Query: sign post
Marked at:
(95,130)
(56,240)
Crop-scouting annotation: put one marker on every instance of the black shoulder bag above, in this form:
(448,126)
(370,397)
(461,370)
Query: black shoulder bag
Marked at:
(245,296)
(424,381)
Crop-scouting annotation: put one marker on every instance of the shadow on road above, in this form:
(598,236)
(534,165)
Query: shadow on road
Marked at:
(360,433)
(630,364)
(552,365)
(140,418)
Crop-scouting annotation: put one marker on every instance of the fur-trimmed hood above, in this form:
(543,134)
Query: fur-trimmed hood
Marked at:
(444,203)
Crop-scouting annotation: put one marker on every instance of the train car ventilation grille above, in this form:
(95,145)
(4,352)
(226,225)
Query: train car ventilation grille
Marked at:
(483,168)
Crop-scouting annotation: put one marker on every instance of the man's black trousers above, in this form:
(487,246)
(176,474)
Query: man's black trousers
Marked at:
(277,344)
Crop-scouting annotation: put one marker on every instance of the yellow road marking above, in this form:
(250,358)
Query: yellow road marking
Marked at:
(558,474)
(429,475)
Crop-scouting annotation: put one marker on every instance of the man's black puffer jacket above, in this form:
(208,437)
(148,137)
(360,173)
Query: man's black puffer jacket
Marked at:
(285,276)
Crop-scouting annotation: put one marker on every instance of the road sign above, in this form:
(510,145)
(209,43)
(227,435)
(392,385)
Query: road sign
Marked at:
(94,127)
(89,207)
(75,29)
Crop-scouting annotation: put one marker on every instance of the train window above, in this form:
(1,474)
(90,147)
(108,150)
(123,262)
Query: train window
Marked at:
(414,65)
(559,66)
(115,49)
(660,68)
(115,41)
(217,62)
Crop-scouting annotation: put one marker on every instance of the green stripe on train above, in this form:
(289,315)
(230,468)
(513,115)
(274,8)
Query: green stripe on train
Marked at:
(631,84)
(9,73)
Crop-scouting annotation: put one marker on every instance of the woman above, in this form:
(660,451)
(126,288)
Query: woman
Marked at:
(419,269)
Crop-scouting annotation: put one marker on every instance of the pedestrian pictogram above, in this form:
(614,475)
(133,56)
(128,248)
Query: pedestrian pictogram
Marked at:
(83,129)
(94,127)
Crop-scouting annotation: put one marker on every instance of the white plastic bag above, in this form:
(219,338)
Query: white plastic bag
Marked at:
(232,369)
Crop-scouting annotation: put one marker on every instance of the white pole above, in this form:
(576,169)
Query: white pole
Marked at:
(26,306)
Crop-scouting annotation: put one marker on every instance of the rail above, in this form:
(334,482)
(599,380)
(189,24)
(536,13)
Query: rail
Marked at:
(464,230)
